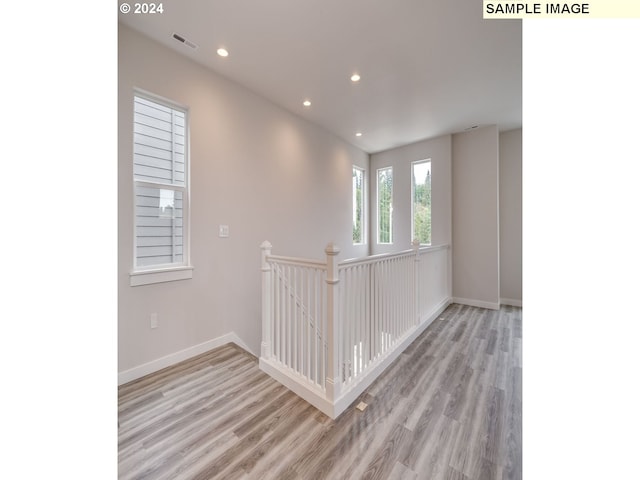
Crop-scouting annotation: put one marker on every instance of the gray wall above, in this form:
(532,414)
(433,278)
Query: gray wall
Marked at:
(511,217)
(476,249)
(439,151)
(477,208)
(266,173)
(271,175)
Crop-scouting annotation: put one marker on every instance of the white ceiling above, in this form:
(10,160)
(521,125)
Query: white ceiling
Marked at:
(428,67)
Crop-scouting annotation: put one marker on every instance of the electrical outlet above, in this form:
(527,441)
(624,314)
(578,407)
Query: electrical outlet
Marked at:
(154,320)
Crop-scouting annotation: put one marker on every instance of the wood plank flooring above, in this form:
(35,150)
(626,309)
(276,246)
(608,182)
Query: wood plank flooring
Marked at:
(450,407)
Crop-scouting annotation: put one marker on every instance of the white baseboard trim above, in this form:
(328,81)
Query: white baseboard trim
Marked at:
(510,301)
(173,358)
(476,303)
(288,378)
(316,397)
(354,392)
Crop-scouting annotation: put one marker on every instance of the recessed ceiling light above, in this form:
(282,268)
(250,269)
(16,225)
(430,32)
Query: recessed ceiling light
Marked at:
(223,52)
(355,77)
(359,134)
(306,103)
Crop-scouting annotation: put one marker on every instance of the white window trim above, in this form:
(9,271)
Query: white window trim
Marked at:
(413,234)
(160,275)
(364,203)
(390,242)
(167,272)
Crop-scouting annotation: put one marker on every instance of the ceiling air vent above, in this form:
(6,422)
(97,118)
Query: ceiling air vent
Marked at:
(187,42)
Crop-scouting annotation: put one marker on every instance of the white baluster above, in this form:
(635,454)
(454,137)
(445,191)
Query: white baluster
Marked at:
(266,300)
(333,382)
(416,279)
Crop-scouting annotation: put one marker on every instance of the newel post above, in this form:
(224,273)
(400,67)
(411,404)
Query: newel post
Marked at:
(416,278)
(333,380)
(266,301)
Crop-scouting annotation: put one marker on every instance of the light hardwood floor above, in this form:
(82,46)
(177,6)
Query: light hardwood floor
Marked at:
(449,408)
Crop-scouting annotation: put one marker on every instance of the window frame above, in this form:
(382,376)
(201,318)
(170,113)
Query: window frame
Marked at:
(363,226)
(166,272)
(390,242)
(413,226)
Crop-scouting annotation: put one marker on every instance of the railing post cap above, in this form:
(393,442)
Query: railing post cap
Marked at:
(265,245)
(332,249)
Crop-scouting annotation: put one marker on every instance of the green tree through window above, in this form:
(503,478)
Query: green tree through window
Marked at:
(385,205)
(358,195)
(421,202)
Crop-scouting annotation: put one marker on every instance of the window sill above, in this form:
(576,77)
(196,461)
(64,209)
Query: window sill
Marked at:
(148,277)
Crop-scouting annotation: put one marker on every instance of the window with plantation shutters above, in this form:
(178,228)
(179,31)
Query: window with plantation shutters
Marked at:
(160,161)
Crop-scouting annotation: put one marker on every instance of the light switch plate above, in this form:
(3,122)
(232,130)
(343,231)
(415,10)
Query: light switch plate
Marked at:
(223,231)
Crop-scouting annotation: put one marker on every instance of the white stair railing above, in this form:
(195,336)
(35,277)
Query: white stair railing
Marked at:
(294,320)
(329,329)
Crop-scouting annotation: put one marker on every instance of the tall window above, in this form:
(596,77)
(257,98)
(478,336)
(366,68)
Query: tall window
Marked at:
(385,205)
(160,163)
(421,201)
(358,206)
